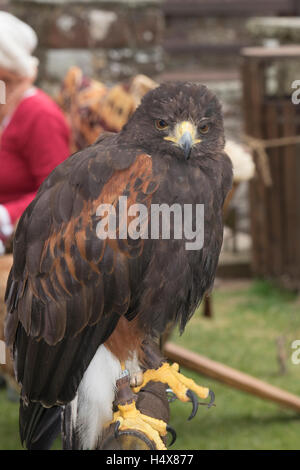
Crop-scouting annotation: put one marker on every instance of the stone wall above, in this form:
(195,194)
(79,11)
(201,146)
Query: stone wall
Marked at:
(208,42)
(114,39)
(109,40)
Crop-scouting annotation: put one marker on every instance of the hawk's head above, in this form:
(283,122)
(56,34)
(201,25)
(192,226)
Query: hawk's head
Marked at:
(180,119)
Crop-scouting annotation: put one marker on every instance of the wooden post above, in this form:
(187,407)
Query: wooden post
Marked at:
(207,306)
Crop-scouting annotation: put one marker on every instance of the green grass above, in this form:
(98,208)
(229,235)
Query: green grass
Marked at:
(242,334)
(247,320)
(9,438)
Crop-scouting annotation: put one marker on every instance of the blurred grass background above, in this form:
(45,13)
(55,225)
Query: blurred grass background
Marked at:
(248,318)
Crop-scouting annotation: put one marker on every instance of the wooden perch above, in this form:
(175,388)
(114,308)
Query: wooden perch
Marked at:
(230,376)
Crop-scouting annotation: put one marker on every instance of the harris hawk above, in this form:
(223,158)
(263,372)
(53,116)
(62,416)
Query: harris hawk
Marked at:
(79,305)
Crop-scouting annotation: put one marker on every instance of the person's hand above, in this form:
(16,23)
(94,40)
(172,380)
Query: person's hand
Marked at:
(15,87)
(6,228)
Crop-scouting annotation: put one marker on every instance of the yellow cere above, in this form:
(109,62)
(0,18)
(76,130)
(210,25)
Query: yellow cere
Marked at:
(180,129)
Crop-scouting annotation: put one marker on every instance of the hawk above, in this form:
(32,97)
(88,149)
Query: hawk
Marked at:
(80,306)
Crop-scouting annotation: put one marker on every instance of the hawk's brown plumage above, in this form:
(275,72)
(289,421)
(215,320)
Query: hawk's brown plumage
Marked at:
(68,289)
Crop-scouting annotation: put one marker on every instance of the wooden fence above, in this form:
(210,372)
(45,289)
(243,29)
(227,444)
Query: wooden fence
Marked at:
(275,208)
(177,10)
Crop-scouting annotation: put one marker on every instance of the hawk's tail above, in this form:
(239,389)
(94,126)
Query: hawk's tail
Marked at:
(39,426)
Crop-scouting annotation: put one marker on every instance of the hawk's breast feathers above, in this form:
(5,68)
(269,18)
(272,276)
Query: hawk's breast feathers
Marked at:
(68,288)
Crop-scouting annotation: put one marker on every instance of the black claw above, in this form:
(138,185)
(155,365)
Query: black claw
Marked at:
(116,430)
(193,397)
(173,434)
(212,399)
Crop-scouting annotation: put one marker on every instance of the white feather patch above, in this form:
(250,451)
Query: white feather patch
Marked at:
(74,406)
(96,394)
(132,364)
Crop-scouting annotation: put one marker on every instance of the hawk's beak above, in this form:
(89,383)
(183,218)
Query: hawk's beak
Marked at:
(186,142)
(184,135)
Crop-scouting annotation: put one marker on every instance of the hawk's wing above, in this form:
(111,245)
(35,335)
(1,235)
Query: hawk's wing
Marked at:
(67,288)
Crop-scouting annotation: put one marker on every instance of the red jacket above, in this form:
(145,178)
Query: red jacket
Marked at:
(35,141)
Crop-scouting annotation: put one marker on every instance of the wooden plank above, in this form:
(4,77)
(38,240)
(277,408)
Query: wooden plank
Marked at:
(277,222)
(198,75)
(289,195)
(256,90)
(230,376)
(268,212)
(280,52)
(185,47)
(247,111)
(235,8)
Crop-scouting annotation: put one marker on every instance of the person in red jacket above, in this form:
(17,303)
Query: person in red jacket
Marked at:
(34,135)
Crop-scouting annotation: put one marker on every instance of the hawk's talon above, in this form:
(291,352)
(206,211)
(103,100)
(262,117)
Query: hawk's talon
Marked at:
(212,399)
(171,395)
(173,434)
(184,388)
(193,397)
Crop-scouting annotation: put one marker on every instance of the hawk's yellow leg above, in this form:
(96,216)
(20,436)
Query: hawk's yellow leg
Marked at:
(183,387)
(129,417)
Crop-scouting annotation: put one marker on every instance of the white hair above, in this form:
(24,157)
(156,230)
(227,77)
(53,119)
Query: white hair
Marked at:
(17,42)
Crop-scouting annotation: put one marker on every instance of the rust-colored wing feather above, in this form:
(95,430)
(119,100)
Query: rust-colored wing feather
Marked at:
(67,288)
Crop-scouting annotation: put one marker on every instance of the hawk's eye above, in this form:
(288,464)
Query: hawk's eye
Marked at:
(204,129)
(160,124)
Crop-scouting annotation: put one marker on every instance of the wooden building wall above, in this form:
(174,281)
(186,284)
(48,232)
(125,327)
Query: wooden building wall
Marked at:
(275,209)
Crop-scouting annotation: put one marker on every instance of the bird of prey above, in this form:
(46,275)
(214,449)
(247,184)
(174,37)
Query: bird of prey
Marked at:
(81,306)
